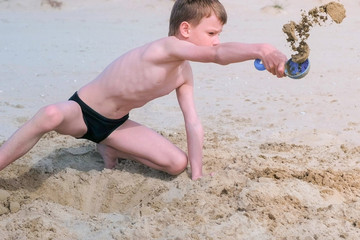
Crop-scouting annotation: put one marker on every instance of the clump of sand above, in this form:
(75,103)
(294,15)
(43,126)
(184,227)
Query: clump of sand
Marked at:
(300,32)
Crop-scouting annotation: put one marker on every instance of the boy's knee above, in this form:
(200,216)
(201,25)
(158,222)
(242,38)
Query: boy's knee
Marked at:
(50,117)
(178,165)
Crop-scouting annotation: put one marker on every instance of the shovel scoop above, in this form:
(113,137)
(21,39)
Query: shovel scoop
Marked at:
(292,69)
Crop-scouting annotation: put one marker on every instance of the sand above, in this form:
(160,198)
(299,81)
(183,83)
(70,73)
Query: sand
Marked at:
(297,34)
(285,153)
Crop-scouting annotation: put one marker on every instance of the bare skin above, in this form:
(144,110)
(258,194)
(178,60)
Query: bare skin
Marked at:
(132,80)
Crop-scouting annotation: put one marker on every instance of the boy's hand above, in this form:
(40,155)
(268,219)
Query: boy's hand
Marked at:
(200,177)
(273,60)
(196,177)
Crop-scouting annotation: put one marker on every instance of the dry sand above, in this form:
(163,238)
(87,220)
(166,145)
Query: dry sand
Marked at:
(297,34)
(285,152)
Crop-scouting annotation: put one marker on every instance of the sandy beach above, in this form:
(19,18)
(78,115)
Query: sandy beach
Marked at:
(285,153)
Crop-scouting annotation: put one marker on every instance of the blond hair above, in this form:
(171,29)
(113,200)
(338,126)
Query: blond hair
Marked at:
(192,11)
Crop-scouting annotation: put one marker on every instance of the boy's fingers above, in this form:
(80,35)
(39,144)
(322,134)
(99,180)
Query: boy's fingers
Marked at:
(281,70)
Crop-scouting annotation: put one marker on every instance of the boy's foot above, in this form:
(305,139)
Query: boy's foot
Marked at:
(109,155)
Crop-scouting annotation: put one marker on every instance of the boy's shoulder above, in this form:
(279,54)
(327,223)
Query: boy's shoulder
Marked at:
(171,41)
(167,41)
(163,48)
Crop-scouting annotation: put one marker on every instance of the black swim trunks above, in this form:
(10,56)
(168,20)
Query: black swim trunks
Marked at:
(98,126)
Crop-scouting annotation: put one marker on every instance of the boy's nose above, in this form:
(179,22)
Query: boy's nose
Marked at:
(216,41)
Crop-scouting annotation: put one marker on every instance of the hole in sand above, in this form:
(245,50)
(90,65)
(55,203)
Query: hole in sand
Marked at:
(75,177)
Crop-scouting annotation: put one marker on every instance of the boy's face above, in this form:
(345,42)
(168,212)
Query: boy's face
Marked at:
(207,32)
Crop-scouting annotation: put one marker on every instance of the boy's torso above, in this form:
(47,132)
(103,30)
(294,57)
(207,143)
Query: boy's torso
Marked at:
(134,79)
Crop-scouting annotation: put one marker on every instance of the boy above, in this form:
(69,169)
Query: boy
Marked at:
(99,111)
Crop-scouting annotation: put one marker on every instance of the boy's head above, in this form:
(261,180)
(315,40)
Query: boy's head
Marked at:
(192,11)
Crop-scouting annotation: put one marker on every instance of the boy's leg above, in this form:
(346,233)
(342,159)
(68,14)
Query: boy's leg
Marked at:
(65,118)
(136,142)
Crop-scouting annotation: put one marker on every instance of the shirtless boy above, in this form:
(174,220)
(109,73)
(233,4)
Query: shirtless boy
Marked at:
(99,110)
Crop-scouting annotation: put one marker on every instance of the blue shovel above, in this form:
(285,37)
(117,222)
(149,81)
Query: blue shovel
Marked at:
(292,69)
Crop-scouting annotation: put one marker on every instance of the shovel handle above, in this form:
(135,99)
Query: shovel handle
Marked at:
(258,65)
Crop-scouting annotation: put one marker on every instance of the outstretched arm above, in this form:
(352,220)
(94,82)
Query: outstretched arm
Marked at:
(231,52)
(194,130)
(273,59)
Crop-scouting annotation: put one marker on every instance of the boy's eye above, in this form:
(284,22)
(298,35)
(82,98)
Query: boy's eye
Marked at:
(214,33)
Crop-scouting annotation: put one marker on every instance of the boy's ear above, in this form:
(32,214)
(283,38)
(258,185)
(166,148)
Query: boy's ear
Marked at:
(184,29)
